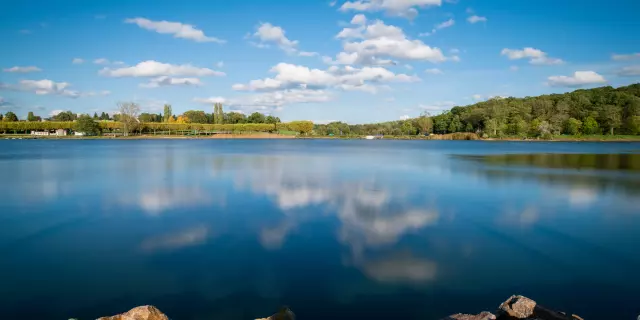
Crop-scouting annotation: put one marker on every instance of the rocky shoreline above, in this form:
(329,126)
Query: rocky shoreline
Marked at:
(514,308)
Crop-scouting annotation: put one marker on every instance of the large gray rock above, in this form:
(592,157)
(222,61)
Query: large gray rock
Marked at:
(518,307)
(139,313)
(482,316)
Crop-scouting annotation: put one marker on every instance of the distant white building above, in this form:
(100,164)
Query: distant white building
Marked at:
(79,133)
(61,132)
(40,133)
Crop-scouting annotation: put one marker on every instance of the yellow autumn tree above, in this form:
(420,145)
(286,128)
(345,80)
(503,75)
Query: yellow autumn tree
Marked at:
(172,119)
(182,119)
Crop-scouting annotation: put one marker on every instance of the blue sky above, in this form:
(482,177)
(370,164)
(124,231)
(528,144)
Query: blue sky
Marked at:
(355,61)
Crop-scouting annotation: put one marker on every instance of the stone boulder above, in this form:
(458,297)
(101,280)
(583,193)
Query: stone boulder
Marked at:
(518,307)
(482,316)
(139,313)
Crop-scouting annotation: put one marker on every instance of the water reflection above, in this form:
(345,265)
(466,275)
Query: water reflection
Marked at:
(236,228)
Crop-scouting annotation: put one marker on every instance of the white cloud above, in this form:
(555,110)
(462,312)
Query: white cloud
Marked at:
(446,24)
(434,71)
(269,34)
(630,71)
(476,97)
(27,69)
(177,29)
(579,78)
(443,25)
(77,61)
(101,61)
(169,81)
(408,67)
(625,57)
(220,64)
(360,19)
(332,3)
(535,56)
(405,117)
(476,19)
(307,54)
(370,44)
(45,87)
(151,68)
(399,8)
(347,78)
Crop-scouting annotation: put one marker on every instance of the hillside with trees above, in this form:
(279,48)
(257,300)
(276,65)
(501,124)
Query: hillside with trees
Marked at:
(603,110)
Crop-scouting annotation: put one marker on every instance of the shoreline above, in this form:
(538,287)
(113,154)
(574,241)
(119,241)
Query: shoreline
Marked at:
(266,136)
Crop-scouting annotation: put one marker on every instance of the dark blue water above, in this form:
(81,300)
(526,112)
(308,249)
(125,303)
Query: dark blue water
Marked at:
(234,229)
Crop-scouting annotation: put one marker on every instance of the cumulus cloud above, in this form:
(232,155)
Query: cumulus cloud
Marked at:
(346,78)
(18,69)
(399,8)
(434,71)
(376,43)
(578,79)
(152,68)
(177,29)
(629,71)
(169,81)
(77,61)
(101,61)
(475,19)
(405,117)
(535,56)
(220,64)
(268,34)
(45,87)
(625,57)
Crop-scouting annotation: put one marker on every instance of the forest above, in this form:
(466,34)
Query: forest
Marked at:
(603,110)
(598,111)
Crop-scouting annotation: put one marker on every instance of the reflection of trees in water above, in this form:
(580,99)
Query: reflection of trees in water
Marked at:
(622,161)
(582,184)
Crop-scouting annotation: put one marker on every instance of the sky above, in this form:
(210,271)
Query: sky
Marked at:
(356,61)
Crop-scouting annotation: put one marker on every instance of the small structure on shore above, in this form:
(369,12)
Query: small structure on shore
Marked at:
(58,132)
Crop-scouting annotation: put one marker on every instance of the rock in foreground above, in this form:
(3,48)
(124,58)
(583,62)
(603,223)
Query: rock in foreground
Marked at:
(139,313)
(517,308)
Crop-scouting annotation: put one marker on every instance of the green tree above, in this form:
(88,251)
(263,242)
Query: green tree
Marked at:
(590,126)
(572,126)
(455,125)
(128,116)
(10,117)
(87,125)
(218,113)
(256,117)
(168,113)
(235,118)
(95,116)
(65,116)
(612,117)
(407,128)
(196,116)
(424,123)
(31,116)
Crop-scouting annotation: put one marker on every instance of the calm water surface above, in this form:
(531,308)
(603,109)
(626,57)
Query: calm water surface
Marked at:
(214,229)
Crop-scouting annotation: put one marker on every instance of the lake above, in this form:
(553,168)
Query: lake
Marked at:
(234,229)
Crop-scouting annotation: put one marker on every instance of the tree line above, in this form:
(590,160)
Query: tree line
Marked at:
(604,110)
(129,120)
